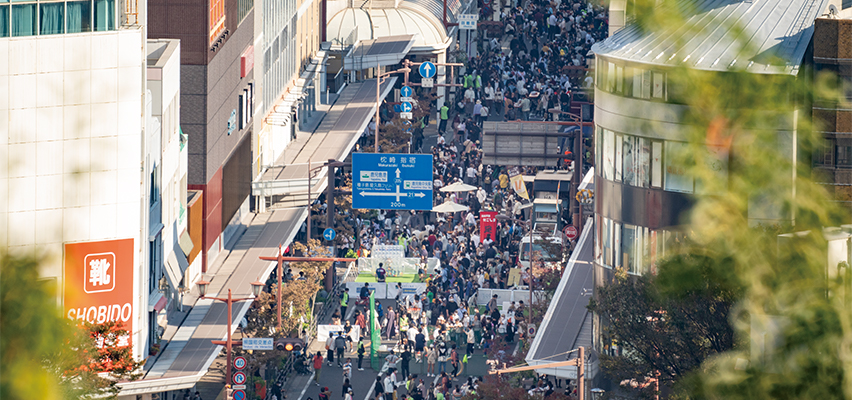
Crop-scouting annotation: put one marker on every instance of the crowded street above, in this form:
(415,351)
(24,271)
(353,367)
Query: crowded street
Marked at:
(430,337)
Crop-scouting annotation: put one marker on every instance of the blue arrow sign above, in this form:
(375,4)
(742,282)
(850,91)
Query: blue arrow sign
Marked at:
(406,106)
(427,69)
(406,91)
(329,234)
(392,181)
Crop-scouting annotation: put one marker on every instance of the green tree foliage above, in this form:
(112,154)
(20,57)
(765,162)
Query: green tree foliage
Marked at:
(297,296)
(46,356)
(670,323)
(791,321)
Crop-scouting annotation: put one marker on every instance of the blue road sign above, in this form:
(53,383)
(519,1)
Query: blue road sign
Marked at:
(397,108)
(257,343)
(329,234)
(239,394)
(406,91)
(392,181)
(406,107)
(239,378)
(427,69)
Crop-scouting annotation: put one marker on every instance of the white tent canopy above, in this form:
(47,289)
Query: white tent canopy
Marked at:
(450,206)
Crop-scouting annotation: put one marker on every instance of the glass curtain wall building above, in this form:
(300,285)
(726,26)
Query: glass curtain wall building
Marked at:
(643,191)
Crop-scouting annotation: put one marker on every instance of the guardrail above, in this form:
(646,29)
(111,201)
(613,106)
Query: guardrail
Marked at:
(282,186)
(328,307)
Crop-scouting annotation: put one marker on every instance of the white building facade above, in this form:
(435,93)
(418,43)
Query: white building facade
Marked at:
(72,145)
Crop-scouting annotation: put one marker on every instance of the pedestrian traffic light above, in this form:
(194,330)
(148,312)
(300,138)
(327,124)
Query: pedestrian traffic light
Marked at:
(290,344)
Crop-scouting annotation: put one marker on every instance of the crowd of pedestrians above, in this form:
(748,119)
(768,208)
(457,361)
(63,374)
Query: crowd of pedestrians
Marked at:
(526,75)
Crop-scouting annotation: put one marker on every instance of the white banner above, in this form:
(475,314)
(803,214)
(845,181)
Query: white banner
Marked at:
(324,330)
(384,290)
(388,251)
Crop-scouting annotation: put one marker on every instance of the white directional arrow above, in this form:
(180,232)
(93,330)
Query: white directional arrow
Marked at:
(397,194)
(397,173)
(428,68)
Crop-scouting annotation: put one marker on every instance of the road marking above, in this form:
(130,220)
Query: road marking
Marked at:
(373,385)
(310,380)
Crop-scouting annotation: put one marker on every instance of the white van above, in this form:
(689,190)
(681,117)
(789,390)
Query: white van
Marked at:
(541,250)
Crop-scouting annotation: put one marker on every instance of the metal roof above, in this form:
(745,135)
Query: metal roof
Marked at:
(567,323)
(760,36)
(436,7)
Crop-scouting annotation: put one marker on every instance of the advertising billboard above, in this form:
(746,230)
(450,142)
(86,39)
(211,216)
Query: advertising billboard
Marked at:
(99,283)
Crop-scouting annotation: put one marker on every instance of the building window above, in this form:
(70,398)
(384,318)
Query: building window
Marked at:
(24,20)
(619,157)
(56,17)
(656,164)
(677,177)
(217,18)
(608,155)
(104,15)
(52,20)
(4,20)
(846,4)
(844,156)
(243,8)
(79,16)
(823,153)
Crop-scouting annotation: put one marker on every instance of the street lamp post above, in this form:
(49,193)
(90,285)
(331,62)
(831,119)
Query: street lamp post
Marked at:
(379,77)
(255,290)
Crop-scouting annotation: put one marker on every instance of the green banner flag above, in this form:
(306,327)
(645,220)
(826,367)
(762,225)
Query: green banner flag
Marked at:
(375,338)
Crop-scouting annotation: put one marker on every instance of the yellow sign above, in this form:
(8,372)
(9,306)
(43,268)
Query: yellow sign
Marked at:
(514,277)
(518,184)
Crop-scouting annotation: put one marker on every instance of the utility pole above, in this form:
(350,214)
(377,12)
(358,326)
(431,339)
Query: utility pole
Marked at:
(329,212)
(577,176)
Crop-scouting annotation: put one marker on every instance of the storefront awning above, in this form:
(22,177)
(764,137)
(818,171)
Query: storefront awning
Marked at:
(157,302)
(388,50)
(176,265)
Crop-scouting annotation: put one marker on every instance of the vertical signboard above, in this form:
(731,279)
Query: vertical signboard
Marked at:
(99,283)
(487,225)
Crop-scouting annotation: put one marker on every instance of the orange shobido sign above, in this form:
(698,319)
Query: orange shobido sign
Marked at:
(99,282)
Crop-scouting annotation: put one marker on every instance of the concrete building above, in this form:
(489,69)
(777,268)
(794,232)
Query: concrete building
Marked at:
(217,103)
(292,78)
(832,52)
(166,168)
(73,140)
(642,194)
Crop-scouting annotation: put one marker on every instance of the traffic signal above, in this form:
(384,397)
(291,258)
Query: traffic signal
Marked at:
(290,344)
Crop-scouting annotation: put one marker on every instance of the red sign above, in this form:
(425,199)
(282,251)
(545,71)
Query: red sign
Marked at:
(240,362)
(99,283)
(246,61)
(571,232)
(487,225)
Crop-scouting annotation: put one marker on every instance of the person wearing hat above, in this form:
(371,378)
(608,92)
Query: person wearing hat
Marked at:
(324,394)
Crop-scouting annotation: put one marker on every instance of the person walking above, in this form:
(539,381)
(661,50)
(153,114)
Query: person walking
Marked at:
(329,349)
(340,345)
(317,367)
(379,387)
(431,358)
(347,370)
(405,359)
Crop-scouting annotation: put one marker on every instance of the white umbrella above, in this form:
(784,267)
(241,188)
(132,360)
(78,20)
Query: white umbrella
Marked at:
(450,206)
(458,187)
